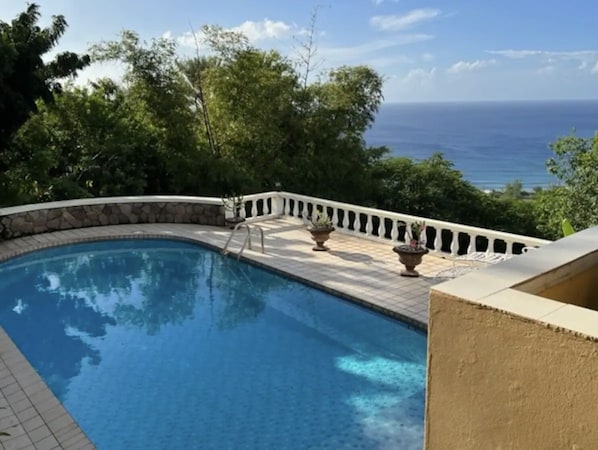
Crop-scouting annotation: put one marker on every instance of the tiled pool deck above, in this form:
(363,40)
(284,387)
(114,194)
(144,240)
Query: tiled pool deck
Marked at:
(362,270)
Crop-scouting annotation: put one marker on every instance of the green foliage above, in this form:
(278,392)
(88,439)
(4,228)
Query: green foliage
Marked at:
(415,234)
(160,95)
(270,128)
(233,203)
(320,220)
(513,190)
(89,143)
(251,100)
(575,164)
(24,76)
(433,188)
(333,160)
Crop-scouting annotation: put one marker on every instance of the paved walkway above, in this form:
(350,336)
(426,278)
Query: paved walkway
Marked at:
(361,270)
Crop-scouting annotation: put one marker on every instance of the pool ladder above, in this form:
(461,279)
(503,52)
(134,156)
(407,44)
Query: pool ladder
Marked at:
(246,241)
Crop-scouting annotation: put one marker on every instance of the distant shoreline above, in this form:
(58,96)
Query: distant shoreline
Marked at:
(510,102)
(492,143)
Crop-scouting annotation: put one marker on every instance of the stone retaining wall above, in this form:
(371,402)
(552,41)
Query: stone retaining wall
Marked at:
(57,218)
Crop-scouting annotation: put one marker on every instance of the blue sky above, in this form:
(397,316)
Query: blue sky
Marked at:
(460,50)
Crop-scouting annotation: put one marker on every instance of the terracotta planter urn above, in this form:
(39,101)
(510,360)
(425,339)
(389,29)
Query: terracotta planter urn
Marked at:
(320,235)
(410,257)
(231,222)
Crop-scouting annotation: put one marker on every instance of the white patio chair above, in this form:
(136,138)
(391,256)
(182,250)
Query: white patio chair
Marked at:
(483,257)
(466,263)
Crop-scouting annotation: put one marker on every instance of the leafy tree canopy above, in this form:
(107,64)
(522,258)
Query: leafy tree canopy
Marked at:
(24,76)
(575,164)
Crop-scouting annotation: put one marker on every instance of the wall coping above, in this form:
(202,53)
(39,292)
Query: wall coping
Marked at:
(511,285)
(110,200)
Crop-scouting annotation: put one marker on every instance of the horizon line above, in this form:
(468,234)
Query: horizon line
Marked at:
(554,100)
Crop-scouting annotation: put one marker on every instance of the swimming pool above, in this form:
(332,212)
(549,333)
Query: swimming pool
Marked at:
(166,344)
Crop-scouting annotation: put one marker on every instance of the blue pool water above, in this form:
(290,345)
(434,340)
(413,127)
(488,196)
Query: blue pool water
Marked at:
(155,344)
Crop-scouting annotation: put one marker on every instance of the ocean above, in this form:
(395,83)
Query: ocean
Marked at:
(491,143)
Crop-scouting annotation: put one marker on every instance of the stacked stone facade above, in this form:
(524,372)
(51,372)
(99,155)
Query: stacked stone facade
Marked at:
(36,221)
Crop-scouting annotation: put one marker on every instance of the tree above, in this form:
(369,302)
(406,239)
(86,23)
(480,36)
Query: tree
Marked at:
(429,188)
(433,188)
(332,159)
(90,142)
(24,76)
(156,88)
(575,164)
(252,105)
(513,190)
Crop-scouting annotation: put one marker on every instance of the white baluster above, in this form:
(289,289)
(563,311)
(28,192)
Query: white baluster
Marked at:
(394,232)
(254,208)
(368,225)
(455,243)
(472,247)
(274,205)
(345,219)
(490,245)
(335,217)
(509,247)
(357,223)
(438,240)
(295,208)
(382,229)
(304,212)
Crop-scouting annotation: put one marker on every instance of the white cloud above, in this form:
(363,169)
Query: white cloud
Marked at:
(465,66)
(399,22)
(254,31)
(379,2)
(594,69)
(108,69)
(419,76)
(515,54)
(584,58)
(358,51)
(518,54)
(187,39)
(428,57)
(266,29)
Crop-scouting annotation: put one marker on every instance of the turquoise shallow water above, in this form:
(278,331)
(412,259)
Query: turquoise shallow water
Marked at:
(154,344)
(491,143)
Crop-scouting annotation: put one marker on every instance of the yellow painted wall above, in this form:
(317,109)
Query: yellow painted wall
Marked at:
(497,381)
(580,290)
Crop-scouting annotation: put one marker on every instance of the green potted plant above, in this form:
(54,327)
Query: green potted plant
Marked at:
(234,204)
(412,252)
(320,228)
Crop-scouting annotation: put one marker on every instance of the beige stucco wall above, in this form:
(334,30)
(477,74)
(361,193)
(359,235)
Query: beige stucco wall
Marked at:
(580,290)
(513,352)
(499,381)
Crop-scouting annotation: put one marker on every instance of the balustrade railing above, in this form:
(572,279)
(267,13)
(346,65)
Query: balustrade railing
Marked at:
(369,223)
(265,205)
(440,236)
